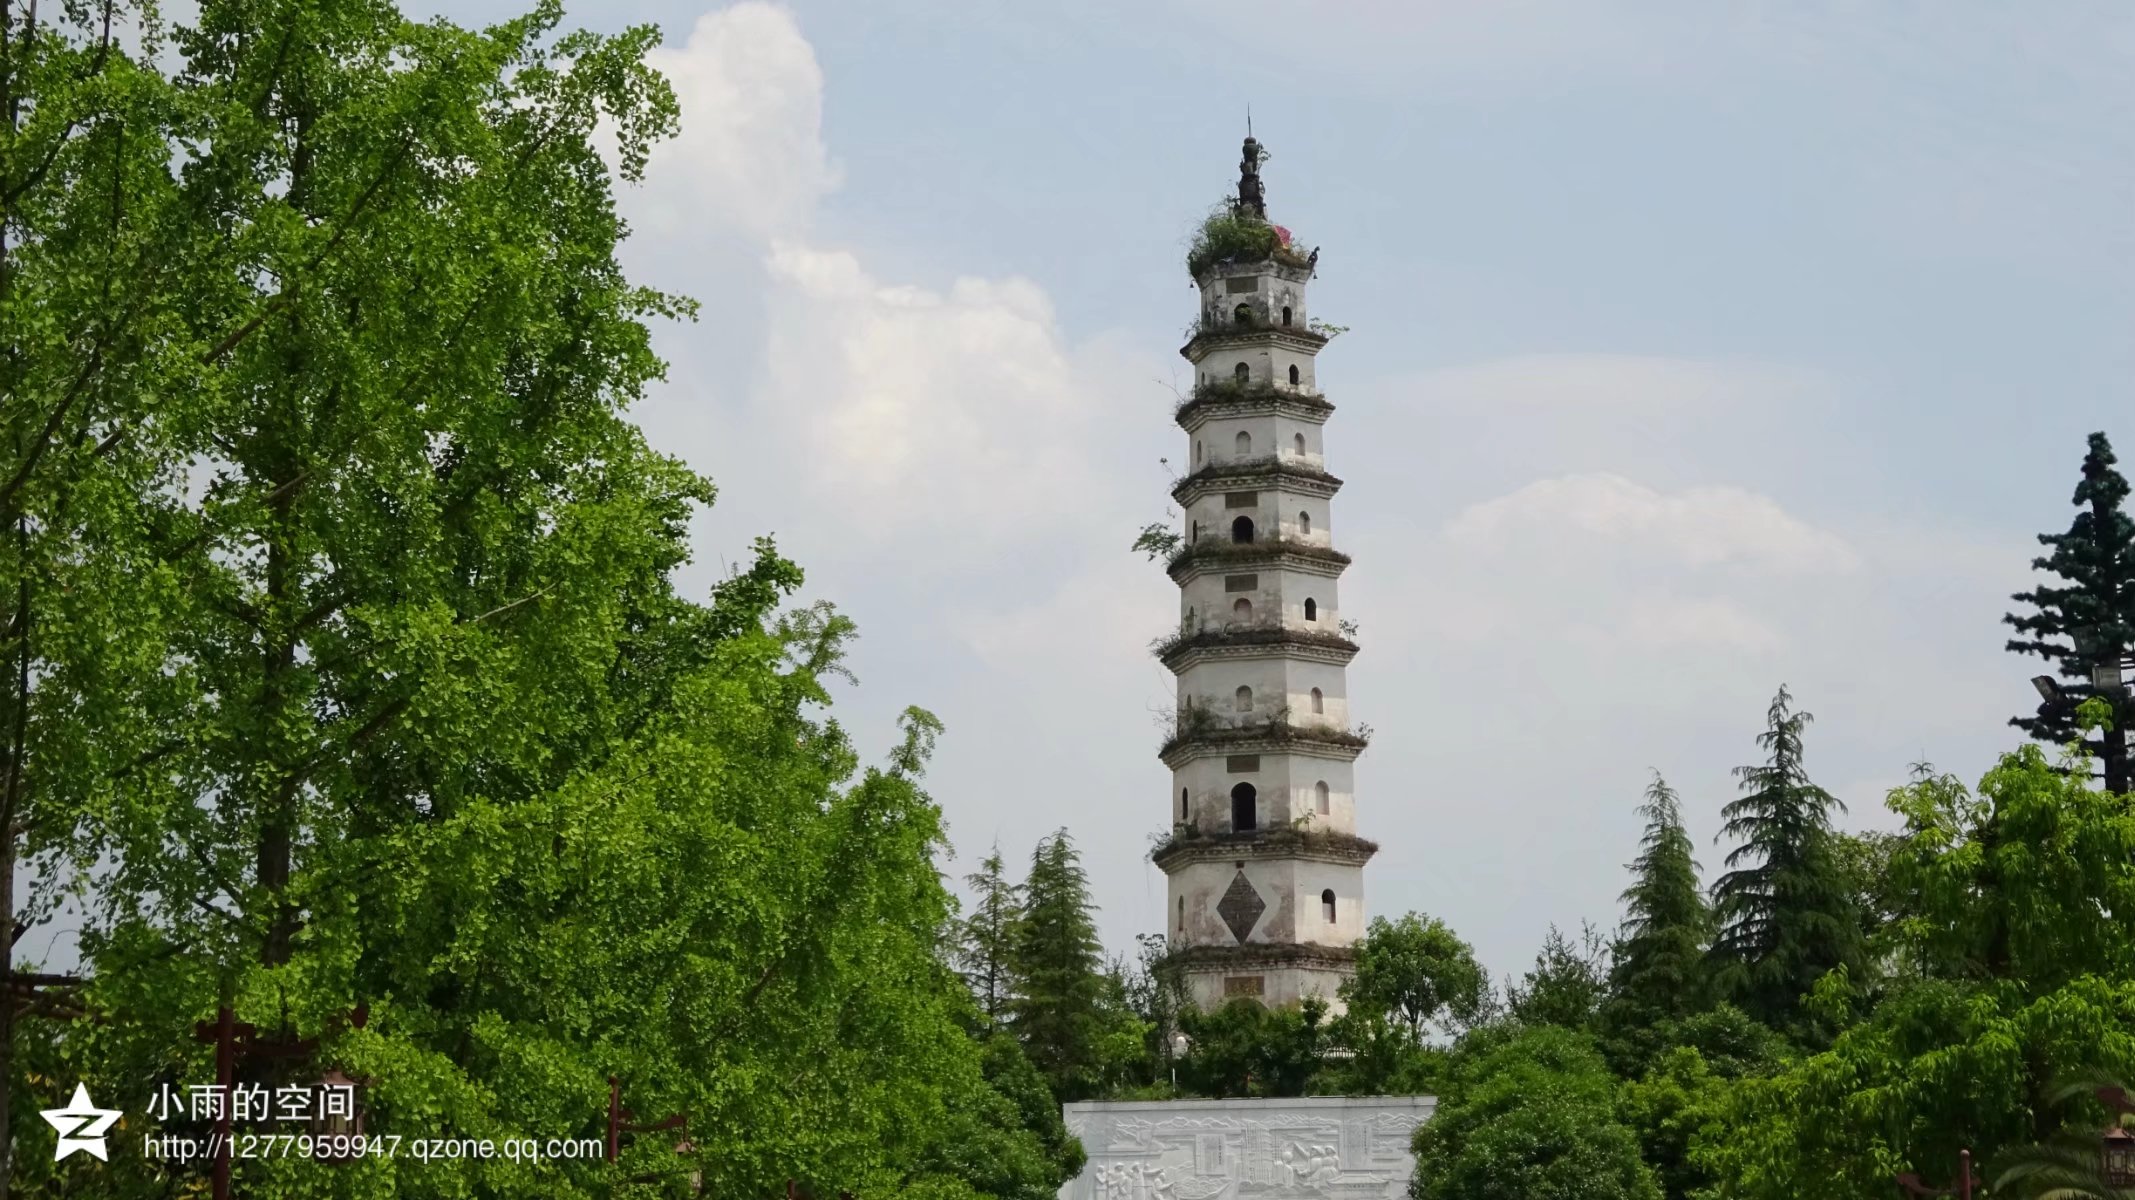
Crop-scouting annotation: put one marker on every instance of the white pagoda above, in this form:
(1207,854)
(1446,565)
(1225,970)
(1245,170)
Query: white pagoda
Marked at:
(1265,871)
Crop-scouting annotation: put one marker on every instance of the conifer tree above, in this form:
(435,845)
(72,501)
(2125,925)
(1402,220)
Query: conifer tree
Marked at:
(1660,968)
(985,939)
(1785,908)
(2086,626)
(1059,1010)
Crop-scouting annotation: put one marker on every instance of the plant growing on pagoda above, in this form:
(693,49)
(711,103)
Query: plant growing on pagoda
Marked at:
(2085,626)
(1227,235)
(1158,540)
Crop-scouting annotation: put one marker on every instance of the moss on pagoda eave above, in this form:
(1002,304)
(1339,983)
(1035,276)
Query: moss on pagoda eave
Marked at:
(1208,551)
(1213,339)
(1344,848)
(1225,740)
(1216,398)
(1173,649)
(1272,467)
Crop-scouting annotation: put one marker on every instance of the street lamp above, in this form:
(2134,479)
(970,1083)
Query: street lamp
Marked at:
(1179,1044)
(2116,1147)
(2116,1157)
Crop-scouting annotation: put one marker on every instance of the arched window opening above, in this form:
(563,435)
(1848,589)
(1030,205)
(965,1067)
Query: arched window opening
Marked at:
(1319,701)
(1319,797)
(1243,314)
(1297,442)
(1243,699)
(1242,445)
(1312,610)
(1197,452)
(1182,914)
(1242,373)
(1189,618)
(1327,905)
(1245,809)
(1182,812)
(1286,314)
(1242,609)
(1242,531)
(1304,522)
(1293,374)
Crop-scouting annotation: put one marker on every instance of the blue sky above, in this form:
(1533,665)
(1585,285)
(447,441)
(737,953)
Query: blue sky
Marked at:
(1694,349)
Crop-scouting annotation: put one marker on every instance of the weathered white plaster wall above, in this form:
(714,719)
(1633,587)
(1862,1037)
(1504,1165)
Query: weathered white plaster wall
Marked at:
(1284,784)
(1290,888)
(1311,1148)
(1205,600)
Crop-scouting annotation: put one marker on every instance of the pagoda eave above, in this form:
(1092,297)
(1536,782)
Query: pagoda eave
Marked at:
(1284,844)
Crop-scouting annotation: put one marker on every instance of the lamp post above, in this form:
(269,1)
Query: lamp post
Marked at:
(1913,1187)
(2116,1146)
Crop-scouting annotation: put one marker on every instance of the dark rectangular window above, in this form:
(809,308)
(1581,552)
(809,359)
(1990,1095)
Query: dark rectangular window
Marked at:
(1242,764)
(1241,499)
(1241,583)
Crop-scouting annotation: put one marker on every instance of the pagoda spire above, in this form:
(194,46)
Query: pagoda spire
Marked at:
(1252,197)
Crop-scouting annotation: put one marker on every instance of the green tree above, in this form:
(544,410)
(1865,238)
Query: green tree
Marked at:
(1156,994)
(101,338)
(985,941)
(1659,968)
(1529,1112)
(1675,1104)
(1567,984)
(392,699)
(2023,918)
(1069,1015)
(1785,909)
(1246,1049)
(1415,972)
(2086,623)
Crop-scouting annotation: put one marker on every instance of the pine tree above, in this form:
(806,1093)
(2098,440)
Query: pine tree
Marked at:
(1058,1010)
(985,939)
(1788,916)
(1660,968)
(2086,628)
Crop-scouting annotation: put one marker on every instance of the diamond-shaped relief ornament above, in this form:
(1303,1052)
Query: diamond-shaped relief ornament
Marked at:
(1241,906)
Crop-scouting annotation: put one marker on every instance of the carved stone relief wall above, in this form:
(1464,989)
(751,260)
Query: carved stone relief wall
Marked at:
(1317,1148)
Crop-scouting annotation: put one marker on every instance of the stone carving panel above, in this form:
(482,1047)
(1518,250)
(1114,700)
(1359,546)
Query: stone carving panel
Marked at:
(1317,1148)
(1241,906)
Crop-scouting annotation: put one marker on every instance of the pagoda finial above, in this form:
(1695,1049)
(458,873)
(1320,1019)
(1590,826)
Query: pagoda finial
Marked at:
(1252,199)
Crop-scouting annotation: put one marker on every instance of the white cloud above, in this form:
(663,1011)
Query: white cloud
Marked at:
(750,155)
(1580,515)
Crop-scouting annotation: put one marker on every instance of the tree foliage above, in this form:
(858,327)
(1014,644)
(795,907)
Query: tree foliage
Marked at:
(1659,969)
(1785,909)
(985,943)
(1070,1016)
(1415,973)
(2022,927)
(1567,985)
(1529,1113)
(1246,1049)
(2087,620)
(354,610)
